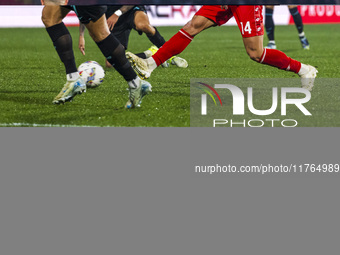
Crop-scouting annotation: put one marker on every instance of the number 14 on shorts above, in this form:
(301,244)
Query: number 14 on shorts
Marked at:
(245,28)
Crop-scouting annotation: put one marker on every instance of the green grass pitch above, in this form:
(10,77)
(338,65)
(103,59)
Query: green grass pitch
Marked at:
(32,75)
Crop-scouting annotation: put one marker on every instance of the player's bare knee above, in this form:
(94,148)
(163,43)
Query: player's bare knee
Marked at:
(51,16)
(193,27)
(45,18)
(98,30)
(145,28)
(254,54)
(97,35)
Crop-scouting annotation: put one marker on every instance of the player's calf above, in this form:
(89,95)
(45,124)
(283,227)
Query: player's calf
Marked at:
(280,60)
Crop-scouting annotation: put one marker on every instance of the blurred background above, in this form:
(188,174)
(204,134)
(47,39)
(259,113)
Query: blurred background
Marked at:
(166,15)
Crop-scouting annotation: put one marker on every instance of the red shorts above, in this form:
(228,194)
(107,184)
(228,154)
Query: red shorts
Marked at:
(248,17)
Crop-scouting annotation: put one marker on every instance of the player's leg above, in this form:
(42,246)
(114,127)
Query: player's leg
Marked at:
(181,39)
(122,35)
(138,20)
(250,22)
(142,24)
(114,52)
(122,28)
(172,47)
(206,17)
(276,58)
(270,26)
(272,57)
(52,16)
(111,48)
(254,47)
(294,11)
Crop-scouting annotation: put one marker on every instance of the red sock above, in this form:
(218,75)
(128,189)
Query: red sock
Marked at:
(280,60)
(173,47)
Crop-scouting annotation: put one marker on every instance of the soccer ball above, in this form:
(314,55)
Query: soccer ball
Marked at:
(92,73)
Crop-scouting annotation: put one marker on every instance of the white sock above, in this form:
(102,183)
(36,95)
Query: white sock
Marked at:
(151,64)
(302,34)
(134,83)
(72,76)
(272,41)
(148,53)
(304,69)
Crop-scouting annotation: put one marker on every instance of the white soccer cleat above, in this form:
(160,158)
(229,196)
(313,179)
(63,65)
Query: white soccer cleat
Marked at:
(139,65)
(146,88)
(70,90)
(136,94)
(180,62)
(307,79)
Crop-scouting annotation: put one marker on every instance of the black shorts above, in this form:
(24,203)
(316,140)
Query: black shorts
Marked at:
(125,23)
(87,13)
